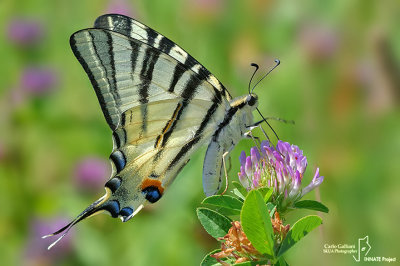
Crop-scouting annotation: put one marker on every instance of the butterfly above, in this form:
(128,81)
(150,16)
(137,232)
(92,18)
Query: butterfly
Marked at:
(161,105)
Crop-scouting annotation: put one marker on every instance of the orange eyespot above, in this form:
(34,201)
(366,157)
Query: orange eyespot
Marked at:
(148,182)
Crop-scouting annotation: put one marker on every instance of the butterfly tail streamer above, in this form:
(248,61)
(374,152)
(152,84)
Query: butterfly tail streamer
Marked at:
(93,209)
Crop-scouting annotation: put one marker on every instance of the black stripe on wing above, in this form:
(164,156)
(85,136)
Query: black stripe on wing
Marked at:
(197,136)
(113,82)
(134,56)
(190,90)
(146,75)
(178,72)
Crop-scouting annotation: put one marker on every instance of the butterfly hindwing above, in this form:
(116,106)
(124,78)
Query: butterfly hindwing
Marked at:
(152,158)
(212,169)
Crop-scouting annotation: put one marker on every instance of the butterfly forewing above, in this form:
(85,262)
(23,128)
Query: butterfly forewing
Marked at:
(136,30)
(125,73)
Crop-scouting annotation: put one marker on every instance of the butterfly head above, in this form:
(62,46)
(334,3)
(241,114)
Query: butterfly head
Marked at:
(252,100)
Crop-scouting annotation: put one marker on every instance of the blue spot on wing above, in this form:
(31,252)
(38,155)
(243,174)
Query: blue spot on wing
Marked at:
(112,207)
(119,160)
(125,212)
(152,193)
(114,183)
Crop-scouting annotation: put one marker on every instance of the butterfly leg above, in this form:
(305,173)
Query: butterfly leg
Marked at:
(280,120)
(256,140)
(265,134)
(251,128)
(226,172)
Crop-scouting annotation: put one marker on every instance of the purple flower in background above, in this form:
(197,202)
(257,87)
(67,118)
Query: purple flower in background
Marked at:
(92,172)
(280,168)
(24,32)
(36,252)
(119,7)
(38,80)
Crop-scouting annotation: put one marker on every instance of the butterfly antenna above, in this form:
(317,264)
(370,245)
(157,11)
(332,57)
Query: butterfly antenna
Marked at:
(280,120)
(277,62)
(252,76)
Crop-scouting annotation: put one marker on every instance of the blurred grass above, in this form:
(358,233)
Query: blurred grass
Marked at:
(339,80)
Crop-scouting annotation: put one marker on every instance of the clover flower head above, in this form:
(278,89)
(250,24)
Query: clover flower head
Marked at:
(281,168)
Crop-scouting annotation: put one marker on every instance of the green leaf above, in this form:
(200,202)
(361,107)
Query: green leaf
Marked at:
(281,262)
(238,194)
(299,230)
(271,209)
(208,260)
(266,192)
(256,223)
(217,225)
(240,188)
(227,202)
(268,195)
(311,205)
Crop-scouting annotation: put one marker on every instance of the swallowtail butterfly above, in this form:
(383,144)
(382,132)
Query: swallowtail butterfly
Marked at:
(161,105)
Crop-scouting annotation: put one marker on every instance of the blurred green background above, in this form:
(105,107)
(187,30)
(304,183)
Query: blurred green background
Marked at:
(339,80)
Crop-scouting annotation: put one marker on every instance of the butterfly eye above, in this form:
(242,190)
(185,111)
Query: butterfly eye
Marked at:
(251,100)
(152,193)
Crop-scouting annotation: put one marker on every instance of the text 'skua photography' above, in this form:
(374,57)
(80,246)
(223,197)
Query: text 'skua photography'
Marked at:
(278,145)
